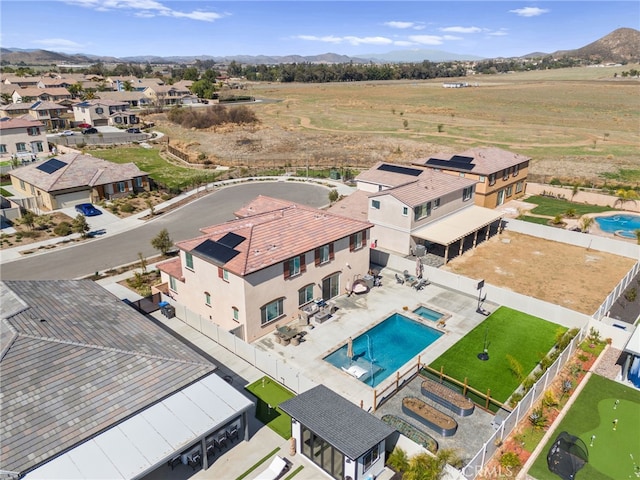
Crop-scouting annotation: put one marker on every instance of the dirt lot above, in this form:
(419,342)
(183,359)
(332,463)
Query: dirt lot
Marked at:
(566,275)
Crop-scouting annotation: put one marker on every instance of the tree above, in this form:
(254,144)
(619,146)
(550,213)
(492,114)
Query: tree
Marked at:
(29,219)
(80,225)
(162,241)
(425,466)
(143,262)
(333,195)
(585,224)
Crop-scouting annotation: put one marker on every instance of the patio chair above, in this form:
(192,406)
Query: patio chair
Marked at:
(399,279)
(421,284)
(232,433)
(275,470)
(195,460)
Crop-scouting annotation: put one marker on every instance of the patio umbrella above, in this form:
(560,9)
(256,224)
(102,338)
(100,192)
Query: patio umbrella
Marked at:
(418,267)
(350,349)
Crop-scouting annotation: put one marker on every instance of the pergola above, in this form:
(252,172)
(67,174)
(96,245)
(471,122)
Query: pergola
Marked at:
(457,226)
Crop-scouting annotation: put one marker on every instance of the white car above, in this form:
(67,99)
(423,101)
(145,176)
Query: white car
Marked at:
(66,133)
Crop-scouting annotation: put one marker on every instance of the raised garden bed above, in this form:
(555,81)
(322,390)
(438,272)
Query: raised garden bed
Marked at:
(454,401)
(412,433)
(431,417)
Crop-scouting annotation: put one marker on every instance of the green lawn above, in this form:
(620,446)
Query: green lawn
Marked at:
(5,193)
(509,332)
(553,206)
(538,220)
(270,394)
(614,452)
(150,161)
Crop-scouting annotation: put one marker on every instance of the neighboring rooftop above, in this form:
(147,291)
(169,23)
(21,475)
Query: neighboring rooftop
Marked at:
(479,160)
(389,174)
(67,346)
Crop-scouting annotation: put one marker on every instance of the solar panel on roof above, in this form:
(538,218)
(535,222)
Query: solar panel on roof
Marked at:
(461,159)
(231,240)
(439,163)
(51,165)
(215,251)
(387,167)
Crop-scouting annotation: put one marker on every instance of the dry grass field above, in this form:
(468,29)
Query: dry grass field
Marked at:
(573,277)
(575,123)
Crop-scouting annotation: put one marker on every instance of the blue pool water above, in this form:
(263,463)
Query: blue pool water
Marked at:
(428,314)
(622,225)
(384,348)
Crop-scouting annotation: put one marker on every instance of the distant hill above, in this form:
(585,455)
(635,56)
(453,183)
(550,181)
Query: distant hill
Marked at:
(621,45)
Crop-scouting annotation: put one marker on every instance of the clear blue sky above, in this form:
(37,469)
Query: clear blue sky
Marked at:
(123,28)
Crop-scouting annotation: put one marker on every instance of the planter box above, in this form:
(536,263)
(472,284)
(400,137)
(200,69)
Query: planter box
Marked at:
(454,401)
(429,416)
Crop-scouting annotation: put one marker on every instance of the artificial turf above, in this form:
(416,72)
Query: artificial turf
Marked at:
(615,454)
(509,332)
(270,394)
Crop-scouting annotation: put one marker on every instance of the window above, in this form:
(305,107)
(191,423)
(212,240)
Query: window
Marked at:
(294,266)
(492,179)
(22,185)
(172,284)
(236,314)
(37,147)
(305,294)
(21,147)
(33,131)
(405,211)
(436,203)
(509,190)
(375,204)
(3,148)
(519,187)
(271,311)
(422,211)
(461,174)
(370,458)
(466,193)
(505,174)
(139,182)
(188,258)
(223,274)
(121,187)
(516,169)
(207,298)
(481,178)
(99,110)
(324,254)
(356,241)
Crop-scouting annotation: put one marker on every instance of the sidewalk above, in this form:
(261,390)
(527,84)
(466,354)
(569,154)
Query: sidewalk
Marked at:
(138,219)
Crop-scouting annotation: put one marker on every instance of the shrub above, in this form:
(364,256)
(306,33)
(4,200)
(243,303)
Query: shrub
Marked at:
(510,460)
(537,418)
(549,399)
(62,229)
(631,294)
(127,207)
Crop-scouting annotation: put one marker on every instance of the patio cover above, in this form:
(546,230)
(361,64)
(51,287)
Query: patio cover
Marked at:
(457,225)
(633,345)
(147,440)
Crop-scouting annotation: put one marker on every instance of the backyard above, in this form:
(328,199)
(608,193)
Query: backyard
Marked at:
(269,395)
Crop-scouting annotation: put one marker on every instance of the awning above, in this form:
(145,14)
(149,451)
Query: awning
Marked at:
(144,442)
(457,225)
(633,345)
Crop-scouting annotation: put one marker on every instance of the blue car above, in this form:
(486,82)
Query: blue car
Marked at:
(88,210)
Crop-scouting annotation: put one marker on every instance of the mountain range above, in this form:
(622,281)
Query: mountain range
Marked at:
(621,45)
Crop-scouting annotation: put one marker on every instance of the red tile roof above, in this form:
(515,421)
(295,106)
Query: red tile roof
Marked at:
(19,123)
(172,267)
(275,235)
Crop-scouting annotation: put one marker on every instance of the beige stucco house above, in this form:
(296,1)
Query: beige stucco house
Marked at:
(49,113)
(258,271)
(22,138)
(100,113)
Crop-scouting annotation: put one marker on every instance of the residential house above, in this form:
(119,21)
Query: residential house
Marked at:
(99,112)
(74,178)
(501,175)
(117,84)
(249,274)
(22,138)
(55,82)
(133,99)
(418,211)
(93,389)
(59,95)
(20,82)
(167,95)
(50,113)
(338,437)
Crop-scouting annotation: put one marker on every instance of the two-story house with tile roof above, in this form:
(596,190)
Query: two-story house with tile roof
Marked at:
(33,94)
(249,274)
(500,175)
(49,113)
(22,138)
(417,211)
(100,113)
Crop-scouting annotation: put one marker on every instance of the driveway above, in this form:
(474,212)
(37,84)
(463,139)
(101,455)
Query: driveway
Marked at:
(98,223)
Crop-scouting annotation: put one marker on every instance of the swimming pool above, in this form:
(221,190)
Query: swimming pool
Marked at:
(621,225)
(384,348)
(428,314)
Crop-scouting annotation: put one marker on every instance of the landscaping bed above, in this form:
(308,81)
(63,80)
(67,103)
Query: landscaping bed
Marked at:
(454,401)
(411,432)
(431,417)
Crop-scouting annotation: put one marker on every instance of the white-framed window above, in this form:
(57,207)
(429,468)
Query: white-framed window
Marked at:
(324,254)
(461,174)
(121,187)
(375,204)
(22,185)
(225,275)
(271,311)
(3,148)
(405,211)
(207,298)
(172,284)
(492,179)
(505,174)
(305,294)
(466,194)
(370,458)
(516,169)
(294,266)
(236,313)
(188,258)
(422,211)
(436,203)
(99,110)
(482,178)
(519,186)
(21,147)
(356,241)
(509,190)
(37,146)
(33,131)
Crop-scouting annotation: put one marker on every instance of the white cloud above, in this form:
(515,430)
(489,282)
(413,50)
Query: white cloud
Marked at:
(58,44)
(427,39)
(325,39)
(145,9)
(529,11)
(499,33)
(405,25)
(348,39)
(451,37)
(458,29)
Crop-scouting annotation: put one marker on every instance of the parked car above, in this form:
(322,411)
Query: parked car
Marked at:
(66,133)
(87,131)
(133,130)
(88,210)
(85,125)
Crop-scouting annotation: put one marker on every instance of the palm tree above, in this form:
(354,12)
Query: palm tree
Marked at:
(625,196)
(585,223)
(425,466)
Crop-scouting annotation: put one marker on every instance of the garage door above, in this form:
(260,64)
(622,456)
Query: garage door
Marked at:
(72,199)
